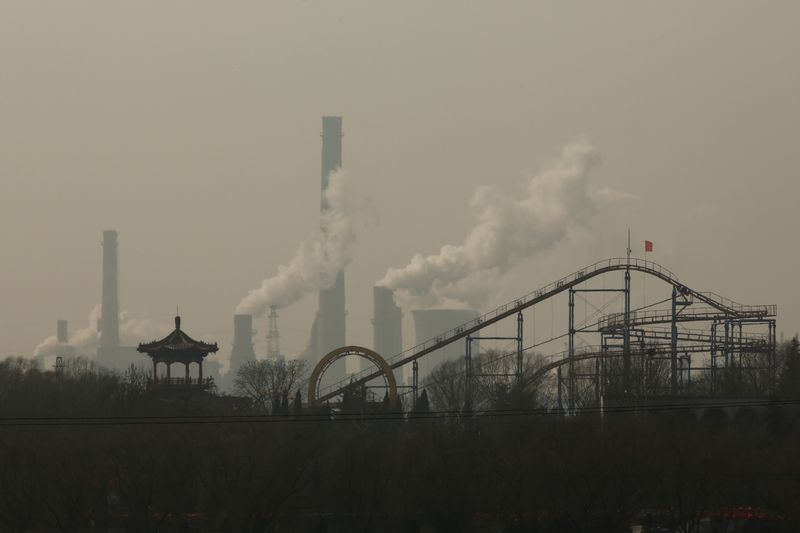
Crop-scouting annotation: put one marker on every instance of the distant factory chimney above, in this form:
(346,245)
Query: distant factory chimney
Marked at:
(109,315)
(387,324)
(273,337)
(242,342)
(61,332)
(328,332)
(62,335)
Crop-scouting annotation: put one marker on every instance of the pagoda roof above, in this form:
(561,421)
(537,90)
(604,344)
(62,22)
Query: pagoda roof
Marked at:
(177,342)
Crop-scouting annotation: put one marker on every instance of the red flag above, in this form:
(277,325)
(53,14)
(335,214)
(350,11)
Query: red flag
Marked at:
(648,246)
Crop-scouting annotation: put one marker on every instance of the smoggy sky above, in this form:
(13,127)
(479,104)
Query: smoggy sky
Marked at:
(192,128)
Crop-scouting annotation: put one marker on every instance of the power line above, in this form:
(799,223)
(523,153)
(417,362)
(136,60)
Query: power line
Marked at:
(379,416)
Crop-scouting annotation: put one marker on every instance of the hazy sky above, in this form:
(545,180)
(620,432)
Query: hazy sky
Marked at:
(192,128)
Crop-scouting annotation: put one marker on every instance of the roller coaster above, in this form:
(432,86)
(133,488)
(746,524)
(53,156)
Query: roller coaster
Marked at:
(644,352)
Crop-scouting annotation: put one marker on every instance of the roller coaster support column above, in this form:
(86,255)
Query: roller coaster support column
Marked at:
(772,354)
(571,353)
(415,380)
(679,302)
(559,401)
(626,334)
(519,347)
(714,376)
(468,376)
(726,347)
(674,343)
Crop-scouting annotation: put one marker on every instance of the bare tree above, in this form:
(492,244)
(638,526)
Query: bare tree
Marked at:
(269,381)
(493,382)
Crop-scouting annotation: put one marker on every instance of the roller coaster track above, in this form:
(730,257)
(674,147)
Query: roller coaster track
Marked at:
(551,362)
(616,321)
(723,306)
(748,341)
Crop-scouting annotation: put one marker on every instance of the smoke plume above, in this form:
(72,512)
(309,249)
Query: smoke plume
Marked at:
(85,341)
(316,261)
(508,230)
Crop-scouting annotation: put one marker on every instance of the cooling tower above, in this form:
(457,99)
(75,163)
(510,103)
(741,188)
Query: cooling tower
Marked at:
(242,350)
(328,331)
(387,324)
(109,315)
(430,323)
(61,331)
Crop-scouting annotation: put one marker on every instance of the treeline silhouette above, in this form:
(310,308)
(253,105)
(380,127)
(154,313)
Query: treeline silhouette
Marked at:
(287,468)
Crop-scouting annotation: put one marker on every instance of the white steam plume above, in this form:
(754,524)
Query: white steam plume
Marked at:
(509,229)
(317,261)
(85,341)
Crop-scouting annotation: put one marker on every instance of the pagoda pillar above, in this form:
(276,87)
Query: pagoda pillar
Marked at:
(200,375)
(155,372)
(169,376)
(187,372)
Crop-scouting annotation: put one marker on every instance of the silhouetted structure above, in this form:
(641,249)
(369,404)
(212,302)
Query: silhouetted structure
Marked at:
(178,347)
(109,312)
(61,331)
(387,324)
(273,336)
(328,331)
(242,350)
(110,353)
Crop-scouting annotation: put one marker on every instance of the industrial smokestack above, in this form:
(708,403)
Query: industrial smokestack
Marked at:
(331,152)
(387,324)
(62,335)
(109,316)
(242,342)
(330,325)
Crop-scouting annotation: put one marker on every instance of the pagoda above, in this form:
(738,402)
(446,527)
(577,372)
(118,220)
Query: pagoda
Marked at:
(178,347)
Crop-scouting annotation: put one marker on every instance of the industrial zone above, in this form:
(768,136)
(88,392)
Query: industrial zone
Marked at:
(614,398)
(690,344)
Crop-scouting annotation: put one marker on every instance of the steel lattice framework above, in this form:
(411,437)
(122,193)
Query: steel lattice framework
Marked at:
(633,342)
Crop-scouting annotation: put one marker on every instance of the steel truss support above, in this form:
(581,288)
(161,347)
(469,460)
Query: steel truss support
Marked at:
(772,357)
(519,347)
(678,301)
(468,376)
(571,388)
(559,400)
(731,346)
(626,333)
(415,380)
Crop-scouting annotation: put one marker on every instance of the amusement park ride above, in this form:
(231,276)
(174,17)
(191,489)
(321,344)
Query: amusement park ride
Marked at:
(640,355)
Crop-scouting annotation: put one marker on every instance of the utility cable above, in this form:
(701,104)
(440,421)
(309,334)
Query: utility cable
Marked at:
(390,415)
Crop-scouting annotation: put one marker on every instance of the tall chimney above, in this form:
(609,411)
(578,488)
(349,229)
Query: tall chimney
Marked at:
(61,331)
(387,324)
(331,314)
(109,316)
(242,342)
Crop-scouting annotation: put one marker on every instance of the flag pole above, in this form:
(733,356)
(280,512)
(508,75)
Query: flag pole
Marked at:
(629,246)
(644,280)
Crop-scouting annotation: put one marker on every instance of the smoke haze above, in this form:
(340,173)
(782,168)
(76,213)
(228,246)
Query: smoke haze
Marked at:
(197,139)
(509,230)
(316,261)
(85,341)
